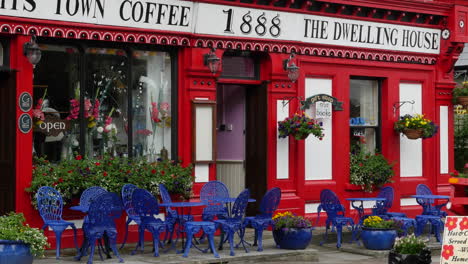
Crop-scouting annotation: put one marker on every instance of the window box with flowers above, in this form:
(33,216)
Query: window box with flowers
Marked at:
(460,94)
(368,170)
(291,231)
(300,126)
(416,126)
(72,177)
(377,233)
(410,250)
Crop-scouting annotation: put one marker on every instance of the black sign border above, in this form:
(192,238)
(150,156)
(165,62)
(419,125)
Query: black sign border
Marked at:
(19,102)
(19,123)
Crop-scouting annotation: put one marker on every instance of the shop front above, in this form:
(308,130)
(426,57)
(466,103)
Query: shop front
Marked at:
(206,82)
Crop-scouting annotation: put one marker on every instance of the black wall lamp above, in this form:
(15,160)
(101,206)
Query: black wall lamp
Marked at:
(32,51)
(211,60)
(291,67)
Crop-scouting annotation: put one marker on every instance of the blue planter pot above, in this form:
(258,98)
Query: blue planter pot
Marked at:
(293,238)
(15,252)
(378,239)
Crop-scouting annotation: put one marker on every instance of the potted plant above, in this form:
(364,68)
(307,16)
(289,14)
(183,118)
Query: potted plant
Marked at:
(460,94)
(377,233)
(19,242)
(416,126)
(410,250)
(291,231)
(369,170)
(300,126)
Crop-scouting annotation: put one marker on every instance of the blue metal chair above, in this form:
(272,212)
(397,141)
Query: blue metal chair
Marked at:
(234,223)
(127,192)
(50,205)
(192,228)
(89,194)
(381,208)
(427,204)
(330,203)
(268,206)
(208,193)
(146,207)
(171,214)
(103,211)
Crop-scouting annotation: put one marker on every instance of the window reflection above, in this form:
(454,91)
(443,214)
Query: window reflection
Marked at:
(152,104)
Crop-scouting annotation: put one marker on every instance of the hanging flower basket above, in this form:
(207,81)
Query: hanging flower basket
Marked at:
(416,126)
(300,126)
(413,133)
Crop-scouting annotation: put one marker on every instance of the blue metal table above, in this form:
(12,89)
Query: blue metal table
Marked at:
(360,207)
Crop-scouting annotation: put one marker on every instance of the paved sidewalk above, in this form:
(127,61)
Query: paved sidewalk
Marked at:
(349,253)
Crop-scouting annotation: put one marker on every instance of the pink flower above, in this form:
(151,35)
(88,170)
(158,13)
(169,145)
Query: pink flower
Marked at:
(74,109)
(164,106)
(87,108)
(96,109)
(154,113)
(38,114)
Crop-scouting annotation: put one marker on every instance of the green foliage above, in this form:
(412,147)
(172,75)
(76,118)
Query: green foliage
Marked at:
(12,227)
(300,126)
(72,177)
(369,170)
(460,90)
(461,141)
(409,245)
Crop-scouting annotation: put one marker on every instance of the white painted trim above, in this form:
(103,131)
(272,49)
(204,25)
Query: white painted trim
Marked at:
(282,144)
(366,204)
(318,153)
(444,139)
(311,208)
(202,173)
(411,154)
(408,202)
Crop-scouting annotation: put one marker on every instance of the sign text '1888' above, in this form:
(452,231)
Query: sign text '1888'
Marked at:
(260,25)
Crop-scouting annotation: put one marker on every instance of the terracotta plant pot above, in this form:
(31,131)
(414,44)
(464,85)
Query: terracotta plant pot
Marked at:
(462,100)
(413,133)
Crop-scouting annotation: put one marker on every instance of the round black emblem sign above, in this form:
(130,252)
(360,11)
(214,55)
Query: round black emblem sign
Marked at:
(25,123)
(25,101)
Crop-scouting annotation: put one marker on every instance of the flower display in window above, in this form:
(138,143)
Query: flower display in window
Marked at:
(300,126)
(38,113)
(164,109)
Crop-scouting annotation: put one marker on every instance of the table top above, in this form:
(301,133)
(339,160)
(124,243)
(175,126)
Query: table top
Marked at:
(231,200)
(430,196)
(183,204)
(80,208)
(366,199)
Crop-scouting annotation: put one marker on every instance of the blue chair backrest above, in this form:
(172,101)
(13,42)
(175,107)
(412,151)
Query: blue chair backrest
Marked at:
(422,189)
(210,191)
(330,203)
(127,192)
(89,194)
(238,209)
(104,209)
(144,203)
(383,207)
(49,203)
(165,196)
(270,202)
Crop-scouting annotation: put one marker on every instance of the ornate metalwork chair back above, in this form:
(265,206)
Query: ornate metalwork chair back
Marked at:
(423,189)
(145,204)
(127,193)
(270,202)
(104,209)
(208,193)
(49,204)
(238,209)
(90,194)
(381,208)
(330,203)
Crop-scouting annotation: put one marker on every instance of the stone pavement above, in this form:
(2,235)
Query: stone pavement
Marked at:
(349,253)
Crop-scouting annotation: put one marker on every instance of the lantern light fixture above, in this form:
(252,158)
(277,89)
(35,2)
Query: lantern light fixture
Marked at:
(212,61)
(32,51)
(291,67)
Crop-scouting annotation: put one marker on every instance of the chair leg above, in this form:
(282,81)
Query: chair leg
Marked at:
(255,238)
(259,238)
(58,237)
(231,242)
(420,224)
(126,233)
(74,235)
(141,238)
(155,243)
(221,241)
(188,244)
(92,242)
(339,230)
(325,235)
(113,246)
(212,246)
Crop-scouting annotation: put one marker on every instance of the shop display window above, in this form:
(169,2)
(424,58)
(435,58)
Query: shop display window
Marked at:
(95,119)
(364,113)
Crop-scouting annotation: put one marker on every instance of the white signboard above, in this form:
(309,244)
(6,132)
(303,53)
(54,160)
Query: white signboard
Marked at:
(455,246)
(222,20)
(323,110)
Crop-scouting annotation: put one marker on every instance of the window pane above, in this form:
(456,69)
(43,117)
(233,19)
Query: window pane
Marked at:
(364,113)
(106,100)
(364,102)
(152,106)
(55,79)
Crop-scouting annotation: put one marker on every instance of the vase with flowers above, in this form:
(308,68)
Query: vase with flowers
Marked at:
(300,126)
(410,250)
(416,126)
(378,233)
(291,231)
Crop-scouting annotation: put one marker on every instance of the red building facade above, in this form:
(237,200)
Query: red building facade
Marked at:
(369,55)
